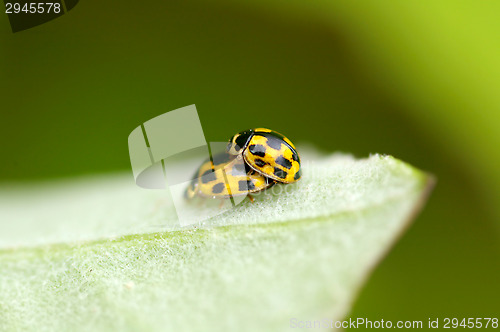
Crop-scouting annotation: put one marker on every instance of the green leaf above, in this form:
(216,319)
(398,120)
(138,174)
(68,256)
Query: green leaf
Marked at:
(102,254)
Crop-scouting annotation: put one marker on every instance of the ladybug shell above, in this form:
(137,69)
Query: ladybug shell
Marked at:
(272,155)
(226,176)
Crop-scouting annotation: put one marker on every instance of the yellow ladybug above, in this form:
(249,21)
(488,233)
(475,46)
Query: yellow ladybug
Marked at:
(226,176)
(267,152)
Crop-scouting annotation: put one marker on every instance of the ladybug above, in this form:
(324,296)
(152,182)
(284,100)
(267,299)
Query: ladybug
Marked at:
(267,152)
(226,176)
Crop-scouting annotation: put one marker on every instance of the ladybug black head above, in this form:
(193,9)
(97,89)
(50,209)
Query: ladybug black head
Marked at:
(238,142)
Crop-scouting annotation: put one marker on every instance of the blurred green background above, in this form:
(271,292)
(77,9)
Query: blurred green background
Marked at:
(419,80)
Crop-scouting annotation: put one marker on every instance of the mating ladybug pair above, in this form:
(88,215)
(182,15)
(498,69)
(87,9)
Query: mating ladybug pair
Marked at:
(255,160)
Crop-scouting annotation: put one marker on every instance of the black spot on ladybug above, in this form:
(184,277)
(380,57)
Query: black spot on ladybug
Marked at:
(260,162)
(218,188)
(274,143)
(257,149)
(242,185)
(208,176)
(283,162)
(245,185)
(295,156)
(297,175)
(275,134)
(251,185)
(280,173)
(221,158)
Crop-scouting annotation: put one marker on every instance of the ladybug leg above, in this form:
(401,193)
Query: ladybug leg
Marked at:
(221,204)
(250,197)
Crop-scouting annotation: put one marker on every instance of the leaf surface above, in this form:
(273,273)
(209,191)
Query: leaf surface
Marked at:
(102,254)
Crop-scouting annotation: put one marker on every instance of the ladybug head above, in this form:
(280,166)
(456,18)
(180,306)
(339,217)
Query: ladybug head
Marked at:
(238,142)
